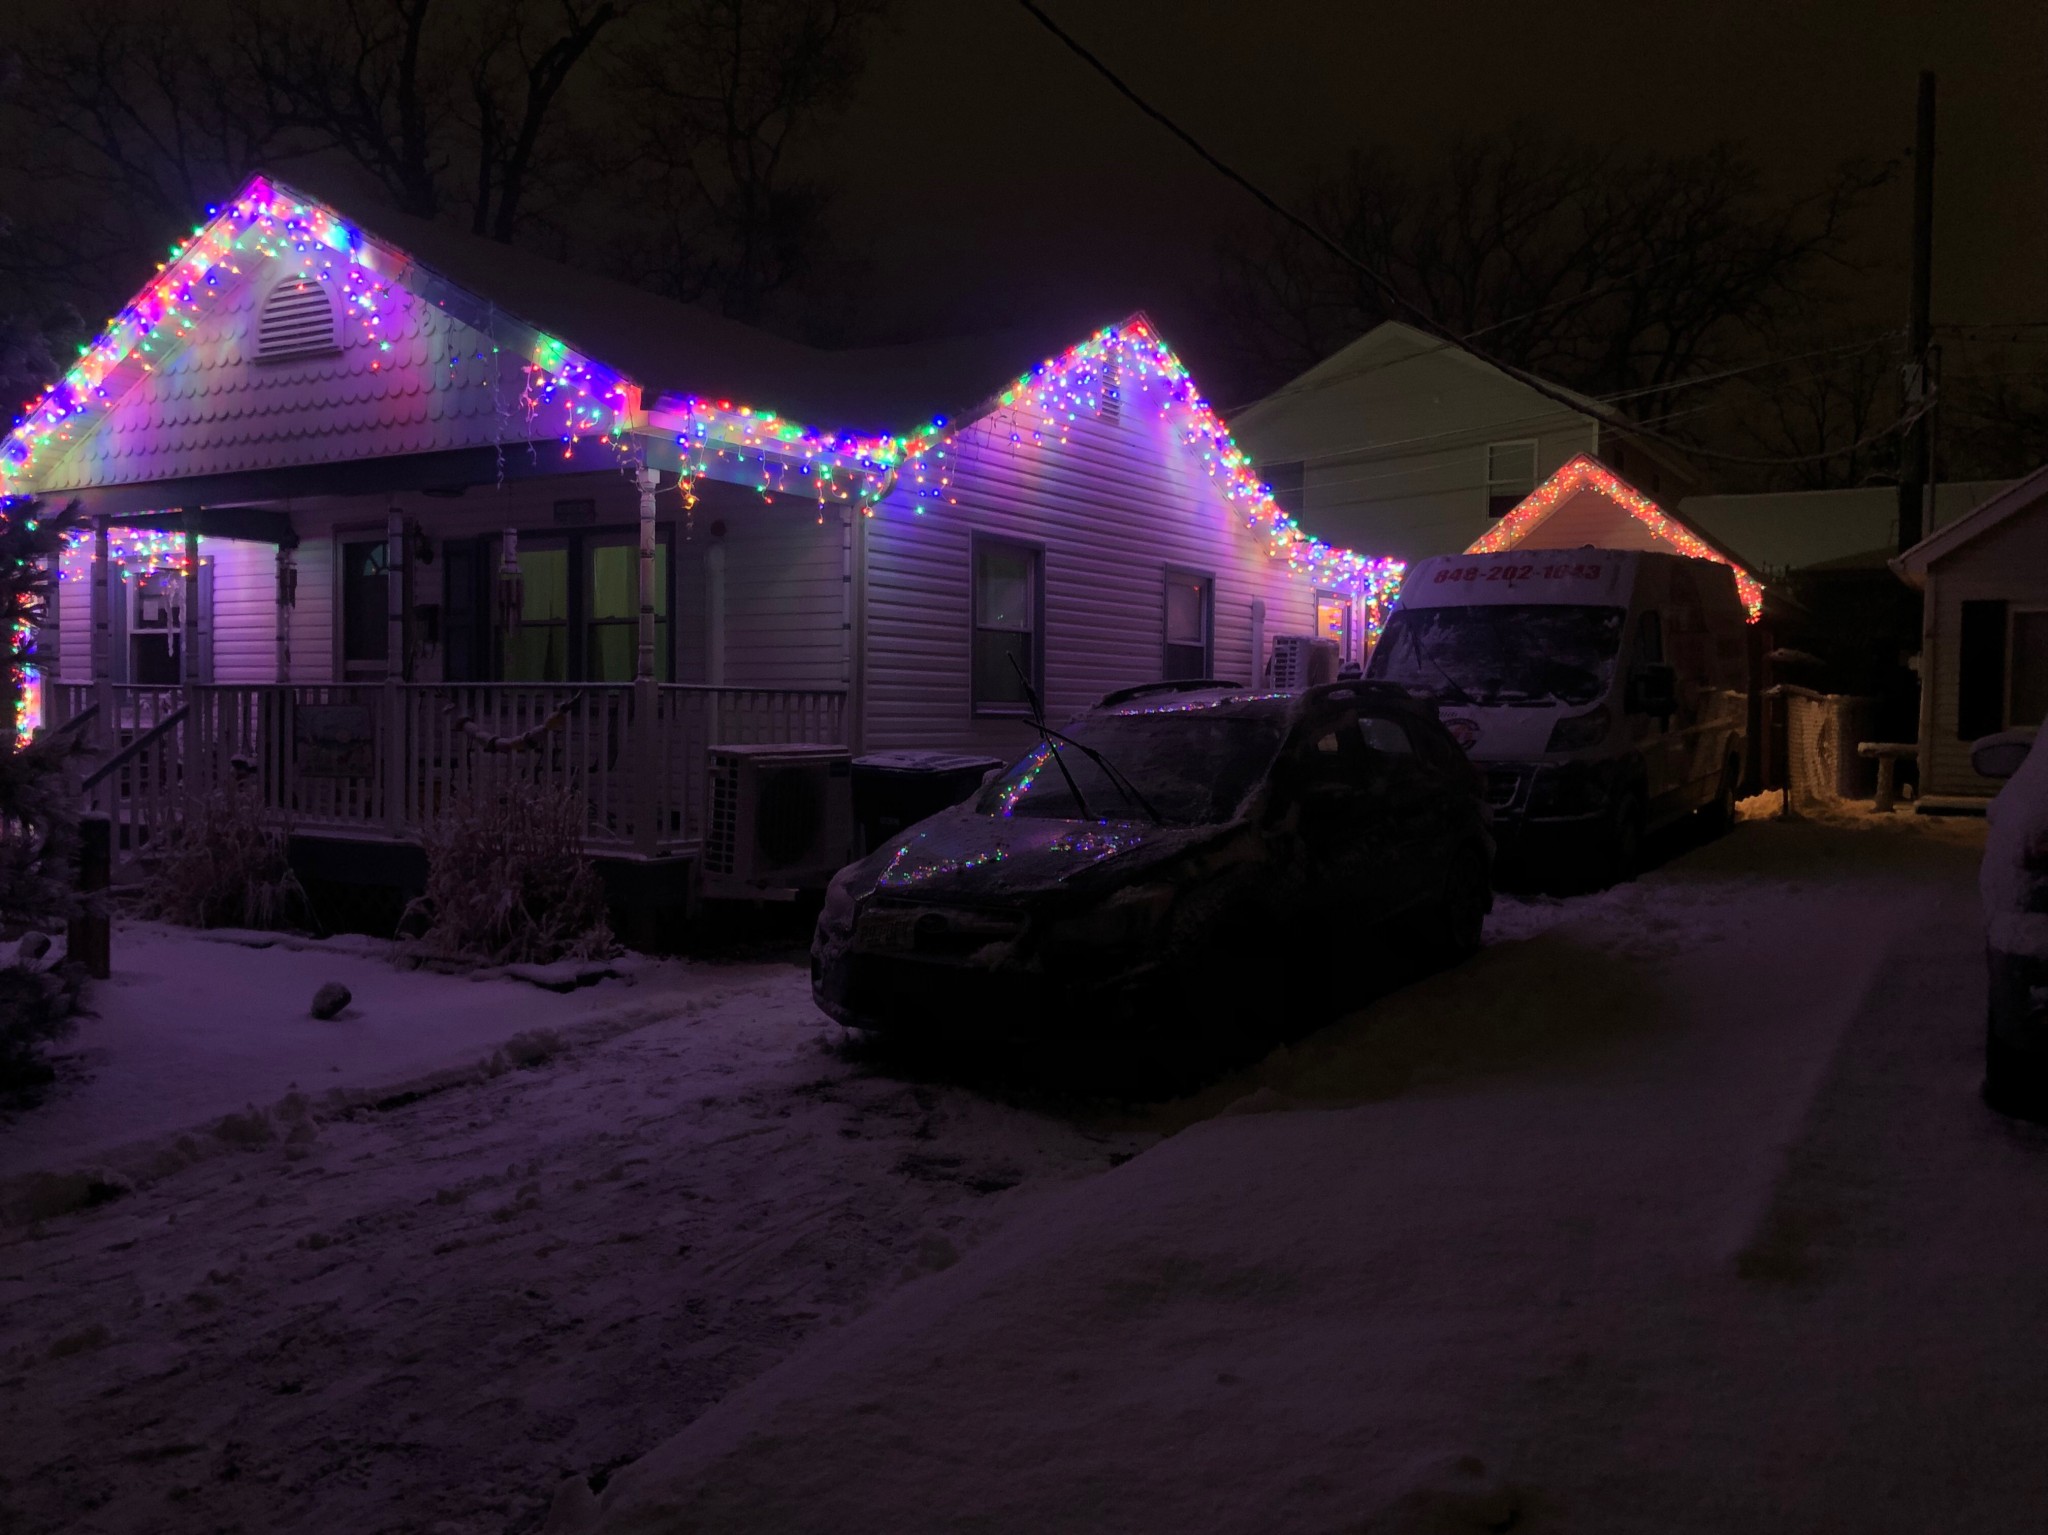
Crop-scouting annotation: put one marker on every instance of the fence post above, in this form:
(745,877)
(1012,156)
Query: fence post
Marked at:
(90,938)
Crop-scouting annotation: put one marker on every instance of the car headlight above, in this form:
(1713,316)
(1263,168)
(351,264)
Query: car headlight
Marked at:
(1577,732)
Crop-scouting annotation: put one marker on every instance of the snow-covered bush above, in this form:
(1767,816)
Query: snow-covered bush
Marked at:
(507,880)
(223,865)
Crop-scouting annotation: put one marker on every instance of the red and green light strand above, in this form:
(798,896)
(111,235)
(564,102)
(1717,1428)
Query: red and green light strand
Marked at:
(1584,473)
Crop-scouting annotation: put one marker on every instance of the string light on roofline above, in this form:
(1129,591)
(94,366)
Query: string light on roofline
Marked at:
(1584,473)
(265,222)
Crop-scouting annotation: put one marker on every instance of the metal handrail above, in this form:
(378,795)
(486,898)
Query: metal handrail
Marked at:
(134,748)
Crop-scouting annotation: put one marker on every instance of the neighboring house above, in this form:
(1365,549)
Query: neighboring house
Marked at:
(1409,445)
(1984,632)
(364,508)
(1587,505)
(1778,533)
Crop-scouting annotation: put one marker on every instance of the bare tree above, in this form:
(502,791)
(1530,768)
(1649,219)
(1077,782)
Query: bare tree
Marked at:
(725,98)
(1616,273)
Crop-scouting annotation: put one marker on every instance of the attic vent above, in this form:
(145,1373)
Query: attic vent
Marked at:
(297,321)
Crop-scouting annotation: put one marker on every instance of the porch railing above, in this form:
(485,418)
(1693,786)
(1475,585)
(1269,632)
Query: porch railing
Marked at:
(381,760)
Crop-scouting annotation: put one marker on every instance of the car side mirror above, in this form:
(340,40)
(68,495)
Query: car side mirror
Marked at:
(2000,755)
(1653,690)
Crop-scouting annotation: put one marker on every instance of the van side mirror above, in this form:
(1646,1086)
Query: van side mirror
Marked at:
(2000,756)
(1653,690)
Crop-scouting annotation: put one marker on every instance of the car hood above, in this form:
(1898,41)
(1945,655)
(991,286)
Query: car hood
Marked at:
(965,856)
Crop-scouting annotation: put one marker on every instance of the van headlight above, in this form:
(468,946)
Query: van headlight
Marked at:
(1577,732)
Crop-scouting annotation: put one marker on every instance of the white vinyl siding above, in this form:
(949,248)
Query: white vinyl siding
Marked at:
(2008,563)
(1114,508)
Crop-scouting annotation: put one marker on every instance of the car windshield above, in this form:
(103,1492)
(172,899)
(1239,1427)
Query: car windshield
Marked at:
(1506,654)
(1194,766)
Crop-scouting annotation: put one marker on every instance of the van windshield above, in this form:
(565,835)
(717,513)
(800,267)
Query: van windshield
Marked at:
(1507,654)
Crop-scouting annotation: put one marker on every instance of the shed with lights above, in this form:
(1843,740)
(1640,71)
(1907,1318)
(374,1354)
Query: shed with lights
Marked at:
(366,503)
(1587,504)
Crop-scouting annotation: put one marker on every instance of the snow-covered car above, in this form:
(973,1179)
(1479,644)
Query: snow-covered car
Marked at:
(2013,881)
(1166,862)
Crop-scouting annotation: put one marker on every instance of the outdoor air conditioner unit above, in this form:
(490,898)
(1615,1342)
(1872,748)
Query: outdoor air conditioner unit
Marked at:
(780,819)
(1302,661)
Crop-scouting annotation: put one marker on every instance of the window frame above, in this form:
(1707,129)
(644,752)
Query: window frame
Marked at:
(2014,611)
(1180,575)
(1339,600)
(977,542)
(347,668)
(1495,512)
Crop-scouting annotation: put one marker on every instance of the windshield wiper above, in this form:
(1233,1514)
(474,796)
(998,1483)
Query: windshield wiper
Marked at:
(1118,779)
(1459,695)
(1053,738)
(1045,734)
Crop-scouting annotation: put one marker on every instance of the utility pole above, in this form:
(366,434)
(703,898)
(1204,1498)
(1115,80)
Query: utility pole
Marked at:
(1916,450)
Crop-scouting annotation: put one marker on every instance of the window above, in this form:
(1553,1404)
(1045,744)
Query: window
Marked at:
(465,608)
(1288,481)
(2028,703)
(1510,475)
(1333,621)
(1190,604)
(612,644)
(1008,590)
(538,650)
(365,607)
(297,320)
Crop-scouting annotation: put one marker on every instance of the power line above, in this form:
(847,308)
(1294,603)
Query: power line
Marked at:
(1379,280)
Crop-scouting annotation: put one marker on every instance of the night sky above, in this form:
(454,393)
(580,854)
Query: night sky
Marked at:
(993,178)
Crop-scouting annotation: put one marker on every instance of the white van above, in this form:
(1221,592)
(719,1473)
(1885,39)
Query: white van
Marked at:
(1604,692)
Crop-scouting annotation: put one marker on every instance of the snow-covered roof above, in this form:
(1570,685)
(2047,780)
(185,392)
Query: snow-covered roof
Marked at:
(2017,497)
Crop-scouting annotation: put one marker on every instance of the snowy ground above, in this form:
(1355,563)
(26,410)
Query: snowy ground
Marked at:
(1599,1210)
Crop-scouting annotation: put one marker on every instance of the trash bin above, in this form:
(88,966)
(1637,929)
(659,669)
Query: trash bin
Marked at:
(892,790)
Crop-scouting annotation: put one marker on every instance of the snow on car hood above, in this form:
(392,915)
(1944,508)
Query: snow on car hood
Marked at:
(965,854)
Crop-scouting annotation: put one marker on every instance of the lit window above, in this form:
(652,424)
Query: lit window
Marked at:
(1333,621)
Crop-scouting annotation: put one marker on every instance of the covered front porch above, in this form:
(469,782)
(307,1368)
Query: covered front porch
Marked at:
(359,662)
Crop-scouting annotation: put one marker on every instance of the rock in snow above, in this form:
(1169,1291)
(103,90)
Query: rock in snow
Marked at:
(330,999)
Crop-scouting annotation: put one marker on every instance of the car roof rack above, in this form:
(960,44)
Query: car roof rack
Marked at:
(1184,685)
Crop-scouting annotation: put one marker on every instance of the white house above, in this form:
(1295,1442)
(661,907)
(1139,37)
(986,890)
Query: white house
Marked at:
(1984,632)
(359,498)
(1406,444)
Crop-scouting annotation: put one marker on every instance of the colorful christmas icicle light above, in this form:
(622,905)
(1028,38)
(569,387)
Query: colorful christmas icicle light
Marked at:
(1584,473)
(264,221)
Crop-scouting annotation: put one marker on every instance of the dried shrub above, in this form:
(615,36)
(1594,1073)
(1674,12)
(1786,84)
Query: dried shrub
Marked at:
(508,882)
(223,865)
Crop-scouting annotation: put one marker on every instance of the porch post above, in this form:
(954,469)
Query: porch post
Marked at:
(103,633)
(646,690)
(287,599)
(394,671)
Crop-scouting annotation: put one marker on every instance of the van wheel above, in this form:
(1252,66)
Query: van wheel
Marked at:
(1623,853)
